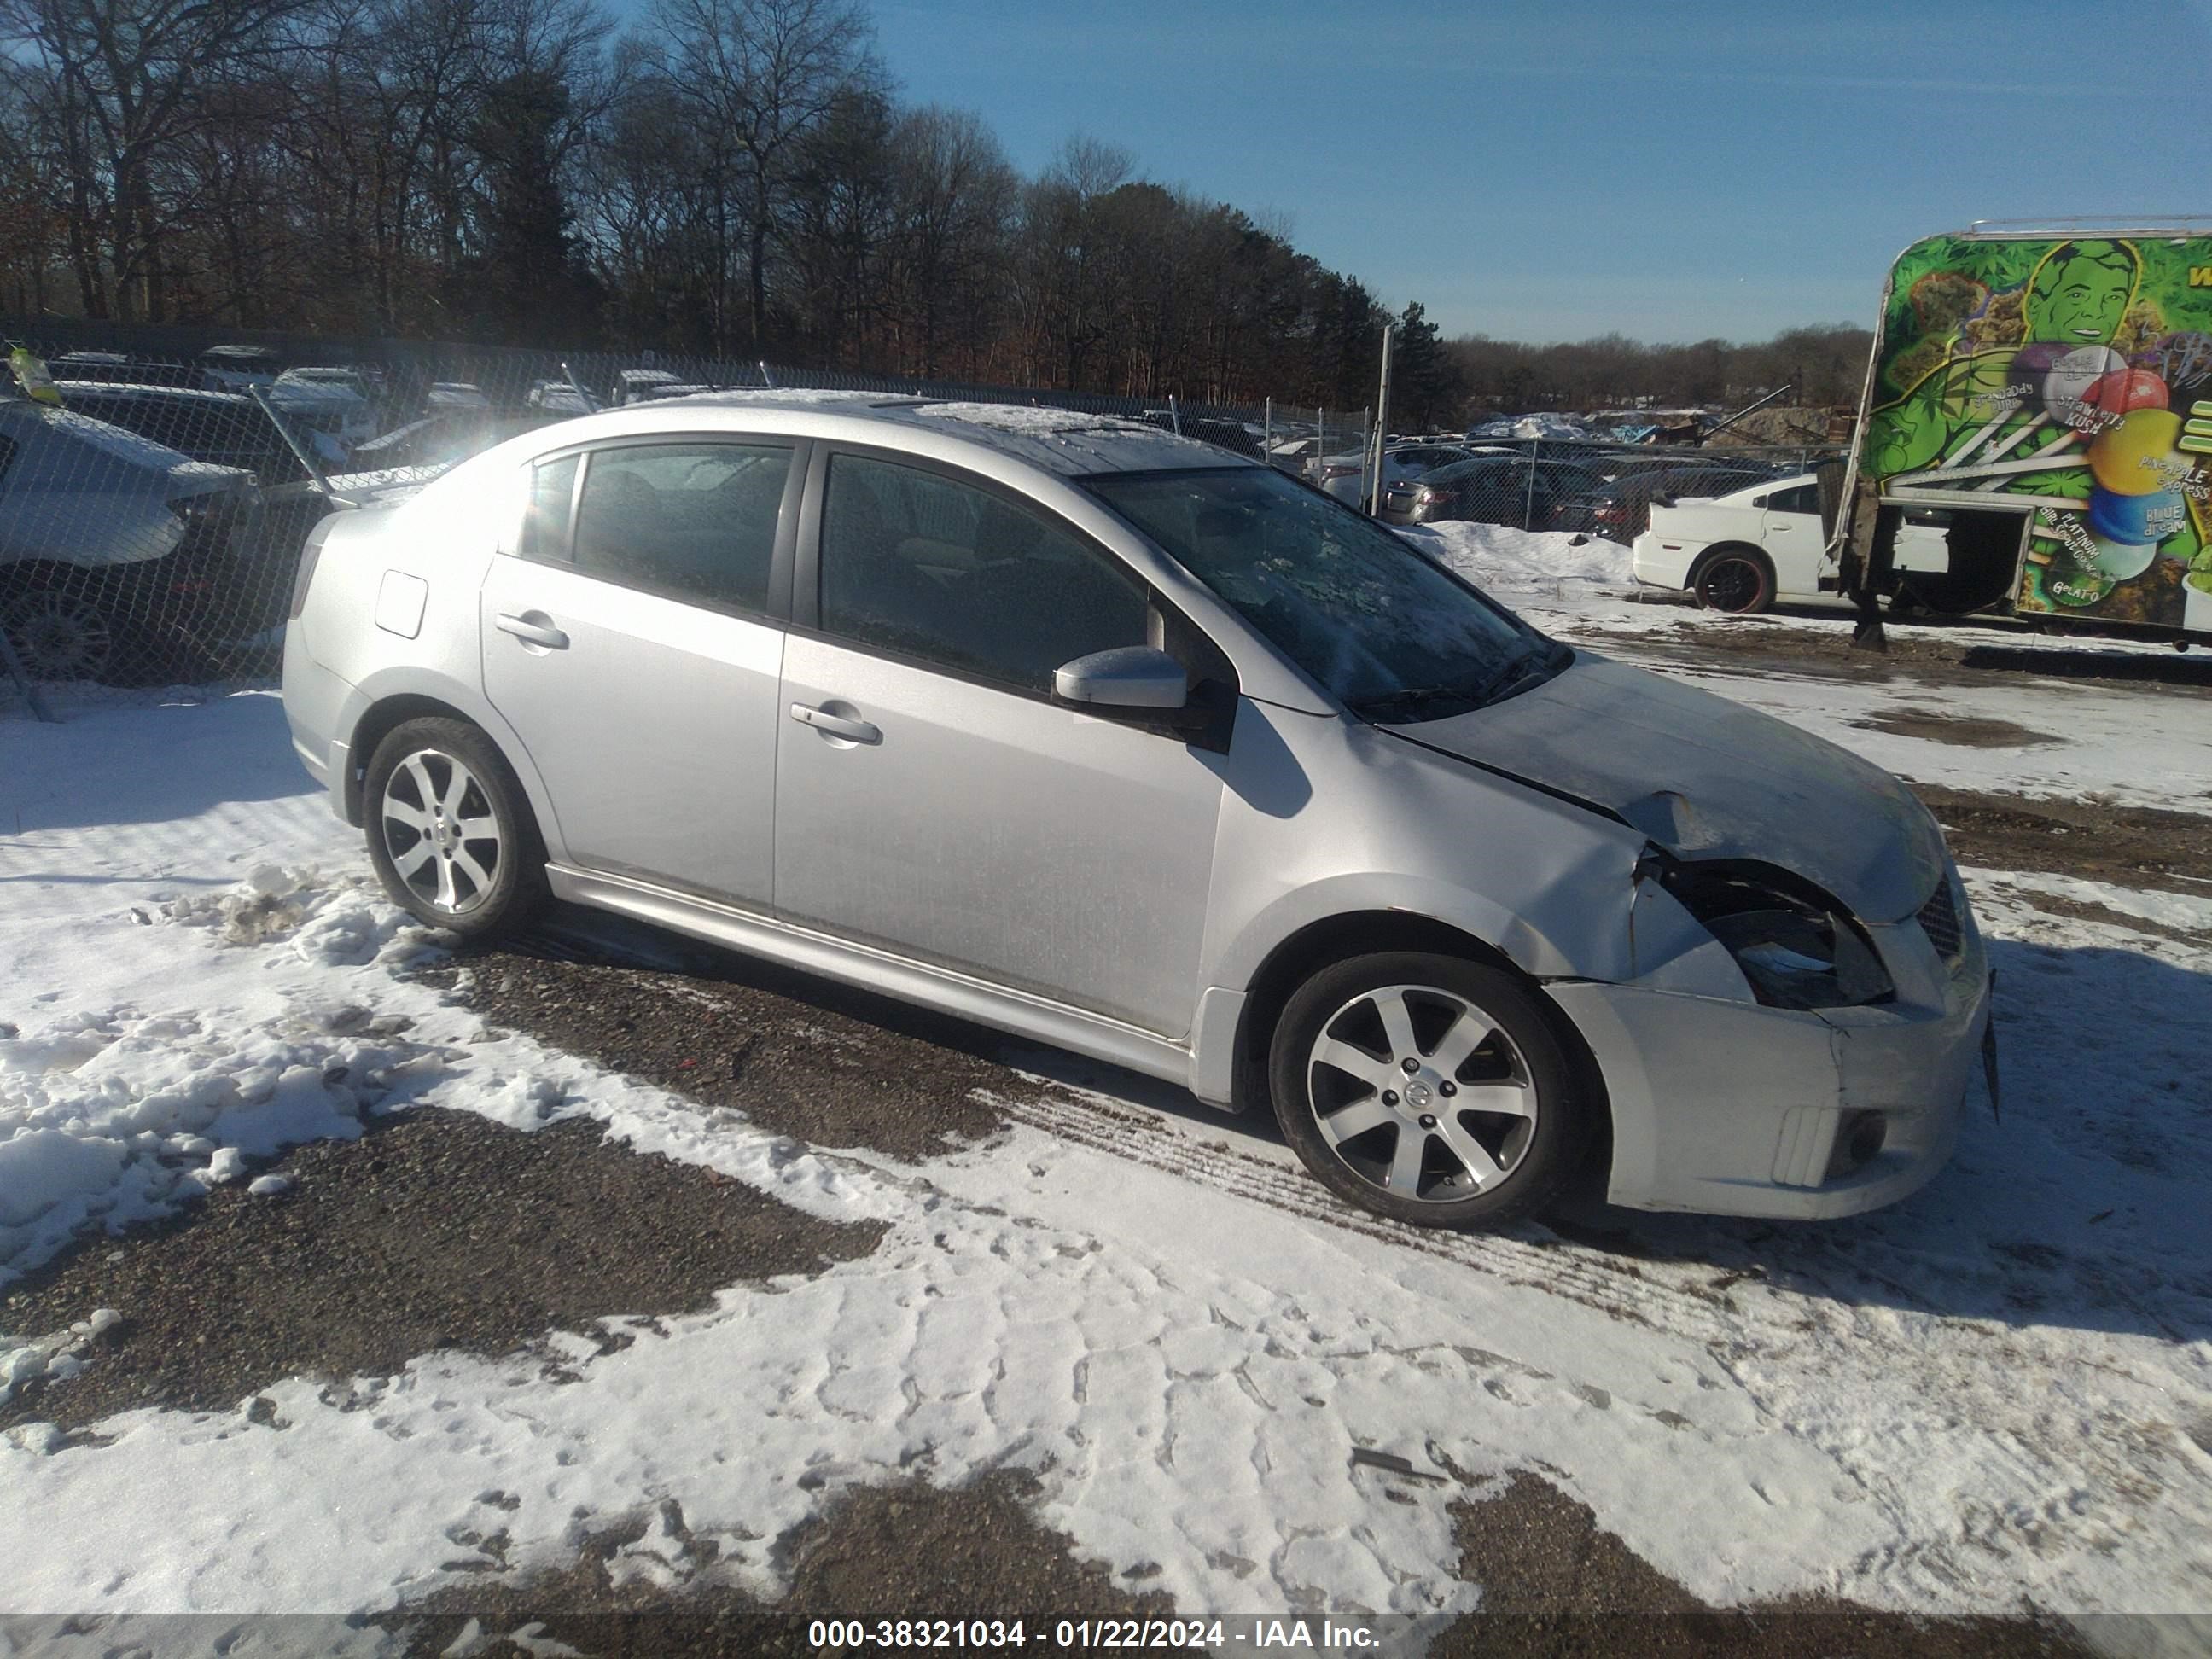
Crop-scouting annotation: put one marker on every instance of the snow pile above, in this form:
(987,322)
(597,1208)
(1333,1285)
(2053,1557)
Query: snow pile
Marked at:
(58,1355)
(110,1116)
(1496,555)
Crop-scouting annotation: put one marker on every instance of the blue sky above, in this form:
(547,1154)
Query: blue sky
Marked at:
(1672,169)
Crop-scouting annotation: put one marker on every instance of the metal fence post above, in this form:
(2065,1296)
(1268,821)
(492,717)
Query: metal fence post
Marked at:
(1382,422)
(1528,501)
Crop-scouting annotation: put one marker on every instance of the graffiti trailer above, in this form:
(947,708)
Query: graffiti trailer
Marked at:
(2048,395)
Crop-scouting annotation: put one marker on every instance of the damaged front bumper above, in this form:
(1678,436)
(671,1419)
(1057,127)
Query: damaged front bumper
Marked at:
(1731,1108)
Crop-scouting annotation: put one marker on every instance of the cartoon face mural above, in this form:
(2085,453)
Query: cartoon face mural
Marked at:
(2059,380)
(2080,292)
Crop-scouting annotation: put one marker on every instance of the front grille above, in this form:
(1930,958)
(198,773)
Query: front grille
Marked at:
(1939,920)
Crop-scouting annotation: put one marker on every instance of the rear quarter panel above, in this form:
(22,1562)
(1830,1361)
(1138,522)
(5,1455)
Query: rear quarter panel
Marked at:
(449,550)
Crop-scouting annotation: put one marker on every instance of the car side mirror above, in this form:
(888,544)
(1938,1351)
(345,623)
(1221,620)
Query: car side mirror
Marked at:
(1127,676)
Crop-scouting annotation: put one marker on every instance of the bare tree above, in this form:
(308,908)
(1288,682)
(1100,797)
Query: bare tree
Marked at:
(123,79)
(765,74)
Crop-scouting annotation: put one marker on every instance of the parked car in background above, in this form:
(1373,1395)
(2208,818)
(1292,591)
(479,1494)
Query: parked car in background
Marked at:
(1341,474)
(1620,510)
(560,398)
(631,384)
(117,367)
(227,427)
(455,394)
(1082,739)
(112,547)
(1236,436)
(1742,551)
(1508,489)
(238,368)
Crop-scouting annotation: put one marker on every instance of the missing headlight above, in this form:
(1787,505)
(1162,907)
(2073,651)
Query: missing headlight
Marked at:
(1796,946)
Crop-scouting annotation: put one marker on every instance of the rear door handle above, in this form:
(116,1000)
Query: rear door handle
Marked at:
(835,726)
(533,626)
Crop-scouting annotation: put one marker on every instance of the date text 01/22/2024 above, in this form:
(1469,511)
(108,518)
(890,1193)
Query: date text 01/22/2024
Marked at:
(1214,1635)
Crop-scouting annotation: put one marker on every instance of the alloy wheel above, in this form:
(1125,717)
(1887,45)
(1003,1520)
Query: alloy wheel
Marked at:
(444,840)
(59,636)
(1420,1094)
(1732,585)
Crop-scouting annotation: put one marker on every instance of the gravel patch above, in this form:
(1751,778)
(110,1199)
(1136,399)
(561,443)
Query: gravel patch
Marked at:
(437,1230)
(798,1064)
(1555,1582)
(2129,846)
(905,1552)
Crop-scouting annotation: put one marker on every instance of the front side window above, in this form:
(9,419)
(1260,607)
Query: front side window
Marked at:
(1370,620)
(921,564)
(690,520)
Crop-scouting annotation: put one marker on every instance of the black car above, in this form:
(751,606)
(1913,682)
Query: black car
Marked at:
(1226,434)
(228,429)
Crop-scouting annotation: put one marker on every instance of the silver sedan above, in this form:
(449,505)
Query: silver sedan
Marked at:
(1109,739)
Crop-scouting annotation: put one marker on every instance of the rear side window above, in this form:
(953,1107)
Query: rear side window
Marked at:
(545,519)
(694,521)
(918,563)
(1805,498)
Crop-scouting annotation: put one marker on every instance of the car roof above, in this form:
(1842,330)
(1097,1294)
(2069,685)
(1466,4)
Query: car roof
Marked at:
(1065,442)
(131,389)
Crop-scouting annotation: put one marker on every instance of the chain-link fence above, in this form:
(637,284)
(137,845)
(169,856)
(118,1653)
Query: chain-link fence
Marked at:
(152,509)
(1584,487)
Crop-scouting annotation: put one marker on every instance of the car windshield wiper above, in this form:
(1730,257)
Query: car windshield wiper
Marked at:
(1406,699)
(1510,674)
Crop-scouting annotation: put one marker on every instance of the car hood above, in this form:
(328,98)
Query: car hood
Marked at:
(1706,778)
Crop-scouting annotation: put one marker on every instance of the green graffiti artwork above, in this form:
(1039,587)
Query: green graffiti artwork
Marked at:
(2066,381)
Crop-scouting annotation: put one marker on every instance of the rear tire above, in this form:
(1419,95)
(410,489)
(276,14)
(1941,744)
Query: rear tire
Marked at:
(1738,581)
(1429,1088)
(450,830)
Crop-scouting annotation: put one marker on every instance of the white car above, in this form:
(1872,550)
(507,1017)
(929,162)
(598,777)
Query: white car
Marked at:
(1742,551)
(1064,725)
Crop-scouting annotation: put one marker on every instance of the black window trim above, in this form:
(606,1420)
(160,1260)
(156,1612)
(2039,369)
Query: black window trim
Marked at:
(775,610)
(1214,691)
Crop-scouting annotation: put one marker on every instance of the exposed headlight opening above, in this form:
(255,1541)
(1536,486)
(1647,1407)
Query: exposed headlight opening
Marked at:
(1796,945)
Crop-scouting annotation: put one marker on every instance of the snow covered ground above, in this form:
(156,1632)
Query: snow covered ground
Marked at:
(1520,562)
(1995,1393)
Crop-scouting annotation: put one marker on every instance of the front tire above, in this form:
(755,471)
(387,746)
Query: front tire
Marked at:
(1736,581)
(450,831)
(1429,1088)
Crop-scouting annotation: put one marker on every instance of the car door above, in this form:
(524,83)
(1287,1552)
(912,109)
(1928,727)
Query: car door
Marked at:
(1790,533)
(629,641)
(933,800)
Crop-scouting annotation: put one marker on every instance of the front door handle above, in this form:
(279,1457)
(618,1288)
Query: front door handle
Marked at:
(835,725)
(535,627)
